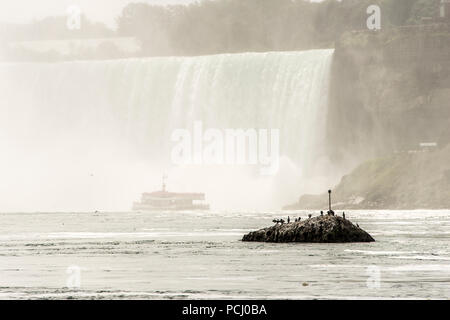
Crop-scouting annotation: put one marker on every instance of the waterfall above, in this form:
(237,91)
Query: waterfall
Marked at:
(91,135)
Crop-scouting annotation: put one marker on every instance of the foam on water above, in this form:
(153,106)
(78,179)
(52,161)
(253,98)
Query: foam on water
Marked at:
(192,256)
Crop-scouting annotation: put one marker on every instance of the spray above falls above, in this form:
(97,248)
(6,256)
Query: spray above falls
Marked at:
(92,135)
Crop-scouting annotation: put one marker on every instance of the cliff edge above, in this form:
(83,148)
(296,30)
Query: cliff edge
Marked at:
(404,181)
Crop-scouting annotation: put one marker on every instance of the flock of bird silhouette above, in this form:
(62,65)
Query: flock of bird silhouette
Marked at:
(330,212)
(282,221)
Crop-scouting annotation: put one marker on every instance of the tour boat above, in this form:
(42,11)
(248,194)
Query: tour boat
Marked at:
(165,200)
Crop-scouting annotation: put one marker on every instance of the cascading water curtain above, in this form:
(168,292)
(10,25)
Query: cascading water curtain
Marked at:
(99,131)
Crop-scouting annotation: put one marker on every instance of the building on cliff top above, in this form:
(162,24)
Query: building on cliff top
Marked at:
(91,46)
(444,10)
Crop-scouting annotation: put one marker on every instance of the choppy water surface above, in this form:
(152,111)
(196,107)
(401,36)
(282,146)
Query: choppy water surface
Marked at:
(199,255)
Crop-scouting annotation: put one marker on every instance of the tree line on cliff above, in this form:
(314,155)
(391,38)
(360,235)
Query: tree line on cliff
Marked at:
(258,25)
(229,26)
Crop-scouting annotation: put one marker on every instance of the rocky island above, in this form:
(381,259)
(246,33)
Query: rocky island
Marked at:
(321,229)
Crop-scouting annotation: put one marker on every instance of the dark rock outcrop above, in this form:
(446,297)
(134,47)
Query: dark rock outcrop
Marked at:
(319,229)
(403,181)
(389,92)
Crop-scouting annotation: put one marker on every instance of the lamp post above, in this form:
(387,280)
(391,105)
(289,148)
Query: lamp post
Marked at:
(329,200)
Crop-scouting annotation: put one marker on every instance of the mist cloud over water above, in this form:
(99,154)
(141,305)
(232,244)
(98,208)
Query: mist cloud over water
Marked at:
(94,135)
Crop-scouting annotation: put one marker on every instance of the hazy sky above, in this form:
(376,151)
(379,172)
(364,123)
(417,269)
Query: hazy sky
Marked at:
(19,11)
(99,10)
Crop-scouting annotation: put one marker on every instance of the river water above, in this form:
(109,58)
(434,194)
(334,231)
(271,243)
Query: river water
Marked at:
(195,255)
